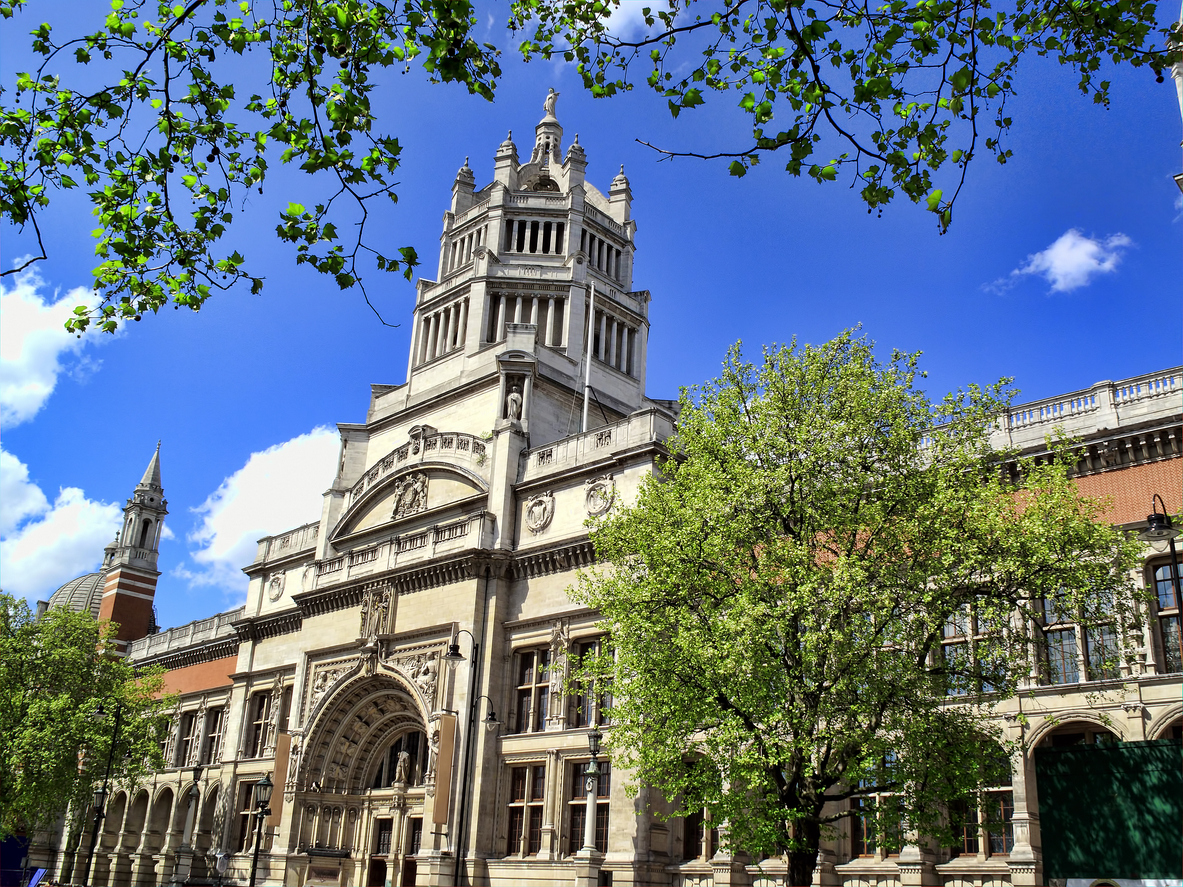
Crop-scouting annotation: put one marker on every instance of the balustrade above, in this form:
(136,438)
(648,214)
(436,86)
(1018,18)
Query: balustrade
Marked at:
(545,312)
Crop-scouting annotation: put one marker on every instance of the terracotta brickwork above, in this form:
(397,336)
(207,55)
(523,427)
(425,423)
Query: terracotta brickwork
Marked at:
(1130,490)
(203,676)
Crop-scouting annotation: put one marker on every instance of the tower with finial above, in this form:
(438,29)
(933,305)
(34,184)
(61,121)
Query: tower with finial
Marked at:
(533,291)
(130,561)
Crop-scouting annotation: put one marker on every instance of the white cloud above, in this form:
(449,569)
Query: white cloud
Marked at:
(1074,260)
(278,489)
(34,346)
(44,545)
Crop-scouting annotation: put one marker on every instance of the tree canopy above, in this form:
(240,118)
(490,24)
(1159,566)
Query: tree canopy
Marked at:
(54,676)
(170,116)
(777,598)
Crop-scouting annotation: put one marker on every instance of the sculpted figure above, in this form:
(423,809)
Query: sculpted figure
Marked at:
(402,769)
(548,103)
(513,404)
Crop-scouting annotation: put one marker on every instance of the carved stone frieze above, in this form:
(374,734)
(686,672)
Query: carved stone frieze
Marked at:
(423,670)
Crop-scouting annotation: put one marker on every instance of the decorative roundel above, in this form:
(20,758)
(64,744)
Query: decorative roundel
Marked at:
(275,587)
(540,510)
(600,494)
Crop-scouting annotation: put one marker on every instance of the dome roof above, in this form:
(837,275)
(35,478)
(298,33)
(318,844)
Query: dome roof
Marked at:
(83,593)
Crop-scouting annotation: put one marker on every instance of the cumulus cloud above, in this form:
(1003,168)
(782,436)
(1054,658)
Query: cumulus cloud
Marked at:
(34,348)
(1072,261)
(45,545)
(277,489)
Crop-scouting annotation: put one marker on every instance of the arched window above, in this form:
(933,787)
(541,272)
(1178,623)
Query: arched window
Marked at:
(144,532)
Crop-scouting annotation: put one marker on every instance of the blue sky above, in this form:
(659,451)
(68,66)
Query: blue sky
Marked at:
(245,395)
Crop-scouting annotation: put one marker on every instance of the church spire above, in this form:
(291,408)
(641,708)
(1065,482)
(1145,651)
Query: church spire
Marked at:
(151,478)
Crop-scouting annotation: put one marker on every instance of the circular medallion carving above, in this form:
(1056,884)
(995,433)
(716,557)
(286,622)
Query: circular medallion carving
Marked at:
(275,587)
(600,494)
(540,510)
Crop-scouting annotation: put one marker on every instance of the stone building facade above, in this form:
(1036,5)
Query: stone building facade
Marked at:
(456,522)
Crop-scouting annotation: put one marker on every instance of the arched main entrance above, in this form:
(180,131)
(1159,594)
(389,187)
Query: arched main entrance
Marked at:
(364,783)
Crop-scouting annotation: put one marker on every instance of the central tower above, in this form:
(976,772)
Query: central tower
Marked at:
(534,283)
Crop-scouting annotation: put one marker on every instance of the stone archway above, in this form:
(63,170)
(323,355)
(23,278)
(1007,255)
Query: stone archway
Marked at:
(364,778)
(109,838)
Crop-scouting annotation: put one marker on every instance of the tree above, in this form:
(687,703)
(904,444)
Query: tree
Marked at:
(891,93)
(54,675)
(775,599)
(171,115)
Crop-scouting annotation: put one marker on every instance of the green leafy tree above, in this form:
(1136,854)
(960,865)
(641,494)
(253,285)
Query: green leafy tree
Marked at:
(53,678)
(775,599)
(889,94)
(171,116)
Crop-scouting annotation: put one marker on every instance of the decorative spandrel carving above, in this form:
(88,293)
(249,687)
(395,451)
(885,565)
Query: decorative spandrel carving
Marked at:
(540,511)
(410,495)
(324,676)
(423,670)
(599,494)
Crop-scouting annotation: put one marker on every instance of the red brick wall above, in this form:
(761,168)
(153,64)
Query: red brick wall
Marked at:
(204,676)
(1130,489)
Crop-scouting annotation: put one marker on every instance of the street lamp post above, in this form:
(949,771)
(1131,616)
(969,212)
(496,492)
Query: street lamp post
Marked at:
(263,789)
(100,795)
(452,657)
(1158,529)
(591,786)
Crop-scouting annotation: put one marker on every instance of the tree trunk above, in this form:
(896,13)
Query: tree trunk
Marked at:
(802,862)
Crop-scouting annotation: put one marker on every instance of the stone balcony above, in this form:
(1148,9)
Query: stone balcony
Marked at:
(642,427)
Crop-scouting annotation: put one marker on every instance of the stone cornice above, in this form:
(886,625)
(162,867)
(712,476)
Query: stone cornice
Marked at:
(197,655)
(257,628)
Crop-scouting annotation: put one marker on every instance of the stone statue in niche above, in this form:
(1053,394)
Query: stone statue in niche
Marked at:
(548,104)
(410,495)
(560,639)
(402,769)
(513,405)
(540,510)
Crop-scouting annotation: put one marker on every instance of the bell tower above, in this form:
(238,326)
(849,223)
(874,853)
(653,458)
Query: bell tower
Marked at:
(534,293)
(130,561)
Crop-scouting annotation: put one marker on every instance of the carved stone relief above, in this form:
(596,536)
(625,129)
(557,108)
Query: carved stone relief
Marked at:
(275,587)
(375,610)
(423,669)
(599,494)
(540,511)
(560,640)
(410,495)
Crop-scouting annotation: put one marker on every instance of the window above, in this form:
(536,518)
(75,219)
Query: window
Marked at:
(212,748)
(1101,644)
(577,807)
(1000,831)
(969,652)
(246,812)
(955,654)
(591,708)
(862,827)
(383,830)
(1168,619)
(699,841)
(1061,665)
(260,713)
(188,731)
(533,690)
(963,822)
(526,794)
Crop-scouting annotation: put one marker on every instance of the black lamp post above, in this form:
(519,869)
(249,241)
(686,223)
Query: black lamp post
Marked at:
(1158,529)
(100,794)
(591,784)
(452,657)
(263,789)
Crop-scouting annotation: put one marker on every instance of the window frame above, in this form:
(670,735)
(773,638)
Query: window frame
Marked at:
(527,809)
(531,697)
(589,709)
(575,816)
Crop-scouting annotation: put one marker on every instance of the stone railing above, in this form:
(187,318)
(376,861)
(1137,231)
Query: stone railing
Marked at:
(603,219)
(423,543)
(538,200)
(474,210)
(524,266)
(450,446)
(1106,405)
(642,427)
(185,636)
(285,544)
